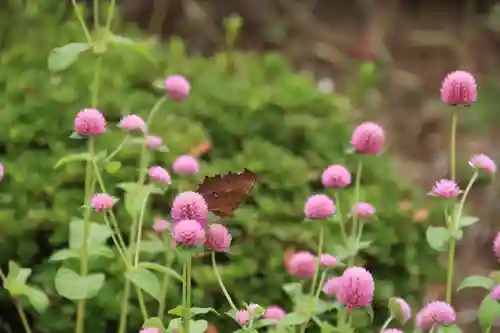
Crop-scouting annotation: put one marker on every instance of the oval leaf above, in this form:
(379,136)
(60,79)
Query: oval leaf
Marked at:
(63,57)
(162,269)
(145,280)
(476,281)
(466,221)
(72,286)
(37,298)
(72,158)
(437,237)
(154,323)
(488,312)
(293,319)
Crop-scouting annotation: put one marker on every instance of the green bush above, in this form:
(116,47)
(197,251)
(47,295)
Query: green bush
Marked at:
(256,112)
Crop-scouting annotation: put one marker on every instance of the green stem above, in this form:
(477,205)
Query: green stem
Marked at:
(342,226)
(453,140)
(320,286)
(169,258)
(154,110)
(111,13)
(80,18)
(187,301)
(118,246)
(139,231)
(96,14)
(386,323)
(118,149)
(354,231)
(221,284)
(312,300)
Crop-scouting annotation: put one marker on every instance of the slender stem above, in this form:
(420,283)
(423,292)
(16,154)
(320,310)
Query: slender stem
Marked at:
(118,149)
(154,110)
(19,308)
(114,224)
(111,13)
(472,180)
(117,242)
(96,14)
(142,304)
(169,258)
(124,308)
(342,226)
(312,300)
(221,284)
(79,16)
(386,323)
(453,140)
(354,230)
(320,285)
(139,231)
(187,297)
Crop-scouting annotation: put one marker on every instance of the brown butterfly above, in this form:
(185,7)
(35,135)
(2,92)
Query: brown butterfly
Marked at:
(224,193)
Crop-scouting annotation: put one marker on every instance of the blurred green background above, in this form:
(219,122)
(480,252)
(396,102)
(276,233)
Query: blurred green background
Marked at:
(256,109)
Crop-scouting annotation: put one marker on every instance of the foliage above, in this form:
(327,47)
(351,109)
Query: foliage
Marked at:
(257,114)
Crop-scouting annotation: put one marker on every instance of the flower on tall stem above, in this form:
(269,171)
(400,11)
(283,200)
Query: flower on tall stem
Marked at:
(484,163)
(368,138)
(363,210)
(459,88)
(177,87)
(101,202)
(189,233)
(302,265)
(133,123)
(356,287)
(186,165)
(274,312)
(218,237)
(336,176)
(435,313)
(319,207)
(189,206)
(89,122)
(446,189)
(496,246)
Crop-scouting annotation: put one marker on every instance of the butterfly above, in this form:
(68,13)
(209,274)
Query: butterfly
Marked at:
(225,192)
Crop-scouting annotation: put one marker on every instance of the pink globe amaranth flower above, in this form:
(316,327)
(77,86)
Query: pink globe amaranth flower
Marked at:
(154,142)
(331,286)
(89,122)
(150,330)
(319,207)
(495,293)
(186,165)
(160,225)
(496,246)
(274,312)
(393,330)
(2,172)
(302,265)
(218,237)
(434,314)
(336,176)
(483,163)
(159,175)
(189,206)
(132,123)
(242,317)
(363,210)
(188,233)
(459,87)
(368,138)
(356,288)
(446,188)
(177,87)
(327,261)
(404,313)
(101,202)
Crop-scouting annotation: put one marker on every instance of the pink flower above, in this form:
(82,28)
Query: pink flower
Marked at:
(242,317)
(435,313)
(363,210)
(495,293)
(150,330)
(496,246)
(404,311)
(177,87)
(101,202)
(186,165)
(302,265)
(89,122)
(393,330)
(331,286)
(218,237)
(189,206)
(484,163)
(356,288)
(319,207)
(274,312)
(327,261)
(154,142)
(445,188)
(132,123)
(459,87)
(189,233)
(160,225)
(159,175)
(336,176)
(368,138)
(2,172)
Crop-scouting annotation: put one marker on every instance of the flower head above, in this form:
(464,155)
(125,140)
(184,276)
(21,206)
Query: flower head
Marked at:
(150,330)
(274,312)
(189,233)
(331,286)
(319,207)
(435,313)
(101,202)
(159,175)
(403,310)
(154,142)
(218,237)
(459,87)
(327,261)
(368,138)
(356,287)
(393,330)
(363,210)
(189,206)
(496,246)
(483,163)
(336,176)
(495,293)
(186,165)
(177,87)
(2,171)
(242,317)
(89,122)
(446,189)
(132,123)
(302,265)
(160,225)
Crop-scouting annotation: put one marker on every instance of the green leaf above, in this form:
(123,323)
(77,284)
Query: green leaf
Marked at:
(437,237)
(75,136)
(65,254)
(135,194)
(396,311)
(75,287)
(488,312)
(162,269)
(113,167)
(264,323)
(37,298)
(449,329)
(293,319)
(466,221)
(72,158)
(154,322)
(15,282)
(476,281)
(98,234)
(197,311)
(63,57)
(495,276)
(177,311)
(198,326)
(138,46)
(292,289)
(152,246)
(145,280)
